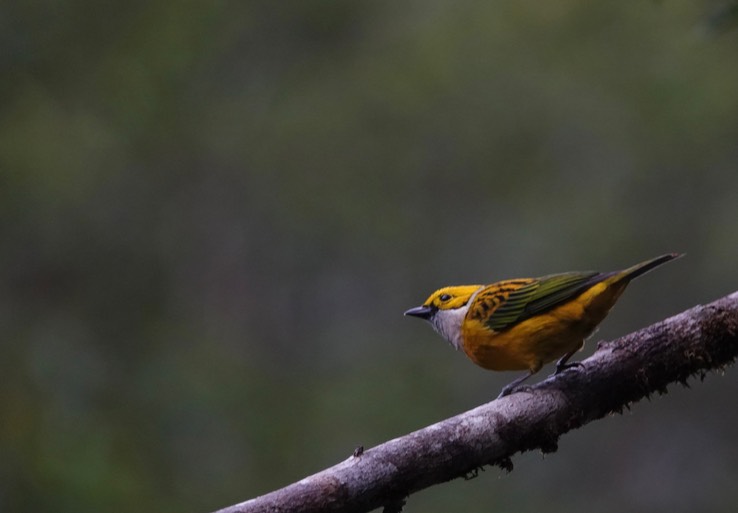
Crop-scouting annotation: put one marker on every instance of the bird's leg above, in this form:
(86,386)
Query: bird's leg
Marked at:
(509,388)
(561,365)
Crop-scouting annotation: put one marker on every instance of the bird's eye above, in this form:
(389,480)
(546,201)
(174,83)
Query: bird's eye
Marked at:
(444,297)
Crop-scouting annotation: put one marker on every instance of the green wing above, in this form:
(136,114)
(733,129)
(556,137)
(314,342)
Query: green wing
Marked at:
(539,295)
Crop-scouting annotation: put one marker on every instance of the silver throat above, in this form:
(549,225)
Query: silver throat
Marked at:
(448,324)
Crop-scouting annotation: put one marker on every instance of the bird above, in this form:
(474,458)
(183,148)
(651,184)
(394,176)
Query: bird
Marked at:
(525,323)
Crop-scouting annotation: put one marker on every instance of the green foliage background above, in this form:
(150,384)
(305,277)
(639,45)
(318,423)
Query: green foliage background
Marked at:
(213,214)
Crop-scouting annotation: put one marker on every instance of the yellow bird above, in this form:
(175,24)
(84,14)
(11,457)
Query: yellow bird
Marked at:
(525,323)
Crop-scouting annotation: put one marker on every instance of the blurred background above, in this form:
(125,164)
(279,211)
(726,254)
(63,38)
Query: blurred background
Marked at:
(213,214)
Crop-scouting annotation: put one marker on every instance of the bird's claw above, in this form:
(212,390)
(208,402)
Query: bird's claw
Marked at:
(514,389)
(565,366)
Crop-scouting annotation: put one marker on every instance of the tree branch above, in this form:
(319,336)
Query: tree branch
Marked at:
(620,372)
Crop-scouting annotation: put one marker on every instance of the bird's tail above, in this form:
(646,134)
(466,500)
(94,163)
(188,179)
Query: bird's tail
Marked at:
(642,268)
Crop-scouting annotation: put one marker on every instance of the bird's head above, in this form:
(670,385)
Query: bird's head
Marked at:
(445,310)
(447,298)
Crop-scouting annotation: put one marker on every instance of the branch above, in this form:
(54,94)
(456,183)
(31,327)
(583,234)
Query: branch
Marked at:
(620,372)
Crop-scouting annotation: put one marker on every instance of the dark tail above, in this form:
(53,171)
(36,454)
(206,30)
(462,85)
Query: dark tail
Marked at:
(642,268)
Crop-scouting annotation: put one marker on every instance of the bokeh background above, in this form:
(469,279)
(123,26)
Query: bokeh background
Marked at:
(213,214)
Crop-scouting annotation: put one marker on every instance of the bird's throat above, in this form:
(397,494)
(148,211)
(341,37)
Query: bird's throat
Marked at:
(448,324)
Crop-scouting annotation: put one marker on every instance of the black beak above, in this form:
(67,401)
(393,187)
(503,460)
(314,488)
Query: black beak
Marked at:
(424,312)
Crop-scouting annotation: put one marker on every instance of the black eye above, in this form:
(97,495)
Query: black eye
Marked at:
(444,297)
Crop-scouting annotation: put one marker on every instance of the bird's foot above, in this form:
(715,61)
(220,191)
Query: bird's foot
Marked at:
(561,367)
(512,387)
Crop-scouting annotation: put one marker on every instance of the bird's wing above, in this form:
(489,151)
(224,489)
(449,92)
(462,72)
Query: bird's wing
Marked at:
(509,302)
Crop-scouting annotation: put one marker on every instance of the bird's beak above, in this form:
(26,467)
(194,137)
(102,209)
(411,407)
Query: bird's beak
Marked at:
(424,312)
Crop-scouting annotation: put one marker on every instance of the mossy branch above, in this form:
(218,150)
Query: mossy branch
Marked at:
(620,372)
